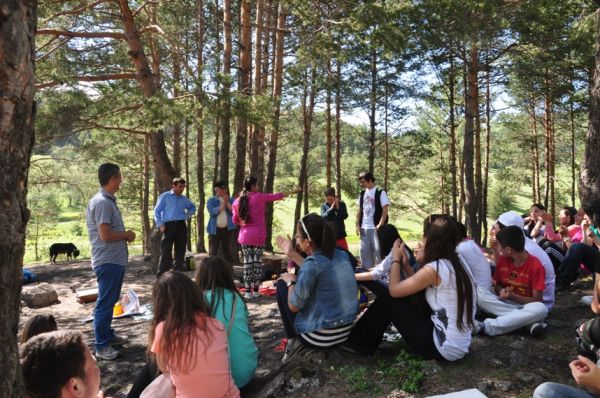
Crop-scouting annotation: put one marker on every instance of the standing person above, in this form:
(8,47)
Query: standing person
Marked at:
(189,345)
(171,212)
(444,332)
(220,225)
(335,210)
(372,214)
(249,214)
(108,239)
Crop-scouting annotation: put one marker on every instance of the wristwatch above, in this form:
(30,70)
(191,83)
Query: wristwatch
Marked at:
(290,283)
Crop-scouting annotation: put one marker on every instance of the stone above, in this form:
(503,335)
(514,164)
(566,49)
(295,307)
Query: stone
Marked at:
(503,385)
(517,359)
(40,295)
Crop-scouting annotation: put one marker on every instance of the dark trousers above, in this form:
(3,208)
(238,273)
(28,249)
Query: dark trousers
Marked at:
(578,253)
(556,254)
(224,239)
(144,377)
(175,234)
(415,326)
(287,316)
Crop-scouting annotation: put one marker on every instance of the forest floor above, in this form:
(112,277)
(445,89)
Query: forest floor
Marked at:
(504,366)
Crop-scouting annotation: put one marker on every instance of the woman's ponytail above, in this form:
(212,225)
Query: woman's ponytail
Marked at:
(244,206)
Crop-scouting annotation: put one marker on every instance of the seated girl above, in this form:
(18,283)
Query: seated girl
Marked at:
(319,304)
(443,333)
(215,279)
(188,344)
(535,224)
(376,279)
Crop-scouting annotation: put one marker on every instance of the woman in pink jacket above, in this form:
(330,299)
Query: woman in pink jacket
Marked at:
(249,214)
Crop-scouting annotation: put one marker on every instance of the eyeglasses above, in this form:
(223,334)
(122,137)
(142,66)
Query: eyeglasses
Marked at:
(305,230)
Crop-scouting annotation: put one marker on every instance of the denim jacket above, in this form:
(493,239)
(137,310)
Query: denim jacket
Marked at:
(325,292)
(212,205)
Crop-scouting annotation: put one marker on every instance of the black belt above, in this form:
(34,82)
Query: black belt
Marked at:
(175,221)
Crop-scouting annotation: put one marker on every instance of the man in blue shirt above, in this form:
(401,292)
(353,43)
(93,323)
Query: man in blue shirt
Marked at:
(108,238)
(171,212)
(220,225)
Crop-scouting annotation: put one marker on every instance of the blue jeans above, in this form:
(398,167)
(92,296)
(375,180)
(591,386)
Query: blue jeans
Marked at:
(556,390)
(110,280)
(578,253)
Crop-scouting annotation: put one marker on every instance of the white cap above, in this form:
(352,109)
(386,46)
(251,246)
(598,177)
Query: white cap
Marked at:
(511,218)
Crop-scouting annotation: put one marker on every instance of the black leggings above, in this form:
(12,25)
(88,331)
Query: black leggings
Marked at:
(414,324)
(144,377)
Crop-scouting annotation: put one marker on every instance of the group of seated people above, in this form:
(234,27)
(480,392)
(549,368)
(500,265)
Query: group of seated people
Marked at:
(199,336)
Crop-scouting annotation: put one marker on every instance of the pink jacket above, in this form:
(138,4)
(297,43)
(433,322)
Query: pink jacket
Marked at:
(254,232)
(574,232)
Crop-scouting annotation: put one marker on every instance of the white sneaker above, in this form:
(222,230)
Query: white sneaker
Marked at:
(107,353)
(586,301)
(248,295)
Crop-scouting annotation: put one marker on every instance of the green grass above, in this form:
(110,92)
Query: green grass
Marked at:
(404,372)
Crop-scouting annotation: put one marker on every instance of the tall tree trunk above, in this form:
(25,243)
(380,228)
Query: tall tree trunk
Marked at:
(308,107)
(186,164)
(451,105)
(373,109)
(17,116)
(274,138)
(257,136)
(219,84)
(589,183)
(200,245)
(471,109)
(486,164)
(245,91)
(328,138)
(163,168)
(386,143)
(146,196)
(537,193)
(338,127)
(572,144)
(478,163)
(226,120)
(176,125)
(548,201)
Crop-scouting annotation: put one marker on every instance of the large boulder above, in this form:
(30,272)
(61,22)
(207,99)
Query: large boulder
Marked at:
(40,295)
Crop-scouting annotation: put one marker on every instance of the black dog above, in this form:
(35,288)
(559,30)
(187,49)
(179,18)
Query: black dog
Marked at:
(63,248)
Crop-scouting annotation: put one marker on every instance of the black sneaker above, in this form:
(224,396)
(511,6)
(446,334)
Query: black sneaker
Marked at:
(538,329)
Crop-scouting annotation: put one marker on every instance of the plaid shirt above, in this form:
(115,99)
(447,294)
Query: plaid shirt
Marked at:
(103,209)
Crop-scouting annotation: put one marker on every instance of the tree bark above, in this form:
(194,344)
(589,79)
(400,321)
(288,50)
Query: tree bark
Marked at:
(372,110)
(328,137)
(162,165)
(244,91)
(17,116)
(274,138)
(257,136)
(471,109)
(226,120)
(338,126)
(200,245)
(176,125)
(451,105)
(308,106)
(486,164)
(218,118)
(146,196)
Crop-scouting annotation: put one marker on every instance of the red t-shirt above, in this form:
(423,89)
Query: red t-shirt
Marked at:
(524,279)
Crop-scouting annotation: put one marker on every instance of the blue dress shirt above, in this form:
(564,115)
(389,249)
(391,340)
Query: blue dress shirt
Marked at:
(171,207)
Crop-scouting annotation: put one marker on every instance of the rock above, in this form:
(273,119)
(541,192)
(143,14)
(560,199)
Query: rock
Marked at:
(517,345)
(40,295)
(517,359)
(496,362)
(399,394)
(503,385)
(529,378)
(485,386)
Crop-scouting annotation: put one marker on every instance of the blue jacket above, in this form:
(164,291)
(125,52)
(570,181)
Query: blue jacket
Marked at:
(325,292)
(212,205)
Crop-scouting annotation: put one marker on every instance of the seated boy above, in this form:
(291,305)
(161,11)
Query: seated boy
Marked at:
(59,364)
(519,286)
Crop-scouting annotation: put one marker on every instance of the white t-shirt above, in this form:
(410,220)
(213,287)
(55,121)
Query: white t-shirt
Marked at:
(471,256)
(535,250)
(369,207)
(452,343)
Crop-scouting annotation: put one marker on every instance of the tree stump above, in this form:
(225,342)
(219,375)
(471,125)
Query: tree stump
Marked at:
(155,239)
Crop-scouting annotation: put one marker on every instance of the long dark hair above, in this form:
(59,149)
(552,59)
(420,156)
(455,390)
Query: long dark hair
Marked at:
(243,208)
(571,212)
(177,301)
(38,324)
(216,275)
(321,233)
(592,209)
(387,235)
(442,236)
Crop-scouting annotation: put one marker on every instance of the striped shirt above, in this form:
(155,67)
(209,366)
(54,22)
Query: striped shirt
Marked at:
(327,337)
(103,209)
